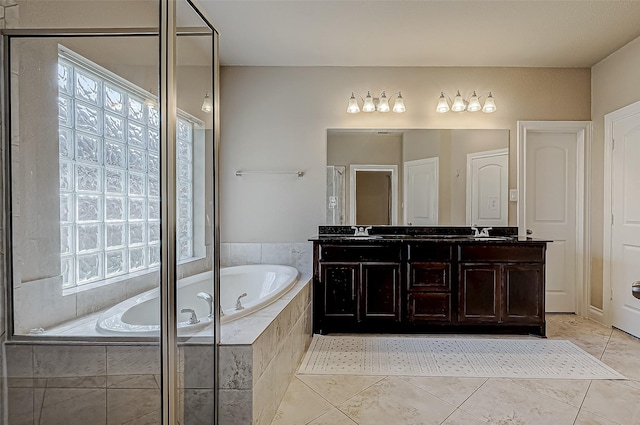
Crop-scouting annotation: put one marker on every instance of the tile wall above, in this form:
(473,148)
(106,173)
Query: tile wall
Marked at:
(298,255)
(102,384)
(76,384)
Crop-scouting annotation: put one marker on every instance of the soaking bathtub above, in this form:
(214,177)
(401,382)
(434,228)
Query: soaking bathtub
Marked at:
(262,283)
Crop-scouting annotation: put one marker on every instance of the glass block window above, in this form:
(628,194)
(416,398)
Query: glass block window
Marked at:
(110,175)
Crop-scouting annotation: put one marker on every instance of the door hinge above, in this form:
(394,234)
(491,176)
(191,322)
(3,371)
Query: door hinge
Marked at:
(612,219)
(613,144)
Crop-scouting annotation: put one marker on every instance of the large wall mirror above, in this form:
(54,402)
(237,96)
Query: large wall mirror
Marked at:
(417,177)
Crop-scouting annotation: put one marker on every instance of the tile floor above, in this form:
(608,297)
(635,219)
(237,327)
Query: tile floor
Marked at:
(400,400)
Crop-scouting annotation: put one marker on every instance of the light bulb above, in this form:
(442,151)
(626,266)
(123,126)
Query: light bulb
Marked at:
(353,107)
(368,104)
(443,105)
(474,103)
(383,103)
(458,103)
(207,105)
(398,107)
(489,105)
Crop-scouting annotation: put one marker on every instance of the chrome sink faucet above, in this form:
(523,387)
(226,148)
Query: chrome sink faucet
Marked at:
(361,231)
(484,233)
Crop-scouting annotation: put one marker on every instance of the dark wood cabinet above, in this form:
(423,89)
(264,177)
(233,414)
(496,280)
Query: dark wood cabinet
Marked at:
(423,286)
(429,283)
(523,296)
(357,295)
(502,285)
(380,289)
(479,293)
(340,287)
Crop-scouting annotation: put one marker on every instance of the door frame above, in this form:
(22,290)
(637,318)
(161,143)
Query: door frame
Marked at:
(405,184)
(607,288)
(483,154)
(583,132)
(352,188)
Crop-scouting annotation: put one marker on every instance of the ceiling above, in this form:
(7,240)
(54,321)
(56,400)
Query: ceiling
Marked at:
(512,33)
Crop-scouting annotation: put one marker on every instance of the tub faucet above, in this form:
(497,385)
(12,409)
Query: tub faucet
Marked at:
(209,299)
(239,305)
(193,319)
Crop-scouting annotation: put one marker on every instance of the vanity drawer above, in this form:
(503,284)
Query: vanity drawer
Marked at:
(360,253)
(429,307)
(430,276)
(425,251)
(501,253)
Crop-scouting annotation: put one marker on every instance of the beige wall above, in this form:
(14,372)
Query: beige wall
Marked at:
(615,83)
(276,118)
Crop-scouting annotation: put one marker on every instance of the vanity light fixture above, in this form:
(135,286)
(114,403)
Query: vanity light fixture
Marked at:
(207,105)
(380,104)
(459,104)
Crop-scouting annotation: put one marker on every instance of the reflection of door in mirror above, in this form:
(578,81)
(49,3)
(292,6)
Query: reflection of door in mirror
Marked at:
(487,188)
(373,197)
(421,192)
(373,194)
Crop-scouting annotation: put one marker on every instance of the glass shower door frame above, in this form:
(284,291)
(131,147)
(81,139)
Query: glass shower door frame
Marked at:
(167,32)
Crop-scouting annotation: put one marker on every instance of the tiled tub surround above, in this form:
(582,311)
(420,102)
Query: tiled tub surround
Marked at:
(118,383)
(259,355)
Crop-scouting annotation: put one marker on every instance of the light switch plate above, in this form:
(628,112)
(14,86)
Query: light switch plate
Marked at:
(513,194)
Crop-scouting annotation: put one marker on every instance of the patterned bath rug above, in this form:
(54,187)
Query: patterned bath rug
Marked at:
(461,357)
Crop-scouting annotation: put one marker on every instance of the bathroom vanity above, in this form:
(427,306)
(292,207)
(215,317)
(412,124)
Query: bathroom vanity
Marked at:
(400,279)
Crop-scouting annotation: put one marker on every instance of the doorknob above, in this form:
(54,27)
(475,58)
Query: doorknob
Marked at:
(635,289)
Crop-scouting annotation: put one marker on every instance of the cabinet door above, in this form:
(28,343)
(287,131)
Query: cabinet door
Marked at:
(479,293)
(381,291)
(339,284)
(523,293)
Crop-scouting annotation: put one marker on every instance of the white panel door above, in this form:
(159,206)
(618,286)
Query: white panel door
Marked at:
(487,188)
(551,211)
(625,230)
(421,192)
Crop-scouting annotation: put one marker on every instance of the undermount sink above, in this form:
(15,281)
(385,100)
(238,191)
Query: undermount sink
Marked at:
(490,238)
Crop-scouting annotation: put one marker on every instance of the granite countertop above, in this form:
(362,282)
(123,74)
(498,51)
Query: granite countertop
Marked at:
(374,239)
(436,234)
